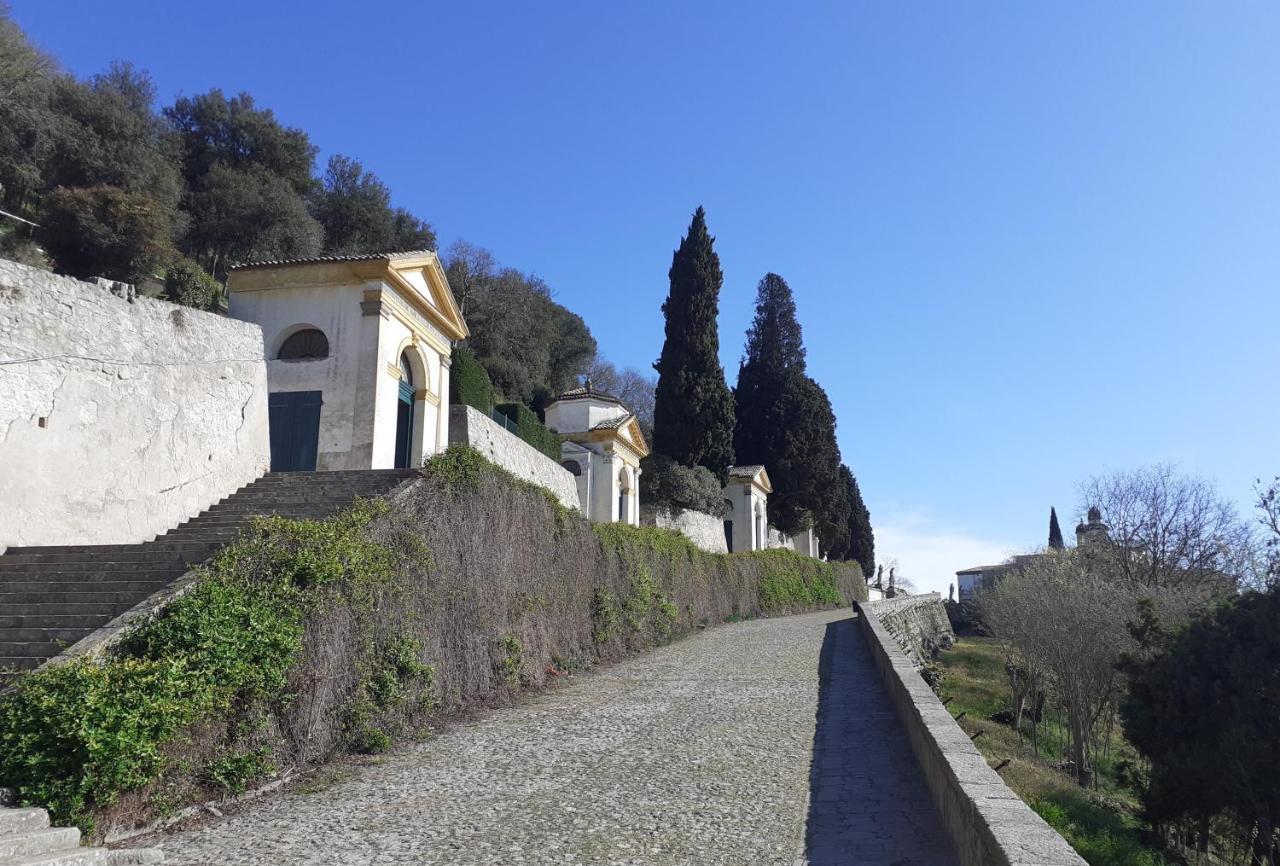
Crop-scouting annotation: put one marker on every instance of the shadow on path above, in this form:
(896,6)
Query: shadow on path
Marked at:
(867,799)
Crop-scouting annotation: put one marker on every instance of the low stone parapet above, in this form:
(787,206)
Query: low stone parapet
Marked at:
(918,623)
(988,824)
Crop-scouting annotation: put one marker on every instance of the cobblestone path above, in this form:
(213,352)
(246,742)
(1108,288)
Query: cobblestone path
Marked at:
(701,752)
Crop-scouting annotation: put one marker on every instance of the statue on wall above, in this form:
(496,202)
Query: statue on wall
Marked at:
(951,592)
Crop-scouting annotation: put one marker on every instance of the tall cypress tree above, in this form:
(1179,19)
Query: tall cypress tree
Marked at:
(693,412)
(862,542)
(1055,531)
(772,366)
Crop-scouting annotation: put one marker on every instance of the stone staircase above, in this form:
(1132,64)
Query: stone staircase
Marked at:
(26,839)
(51,597)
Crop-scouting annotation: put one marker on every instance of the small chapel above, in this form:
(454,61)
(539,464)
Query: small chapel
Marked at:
(602,449)
(358,352)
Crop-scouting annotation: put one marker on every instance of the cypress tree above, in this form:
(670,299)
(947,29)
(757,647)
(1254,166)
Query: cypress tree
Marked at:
(772,366)
(862,541)
(693,413)
(804,464)
(1055,531)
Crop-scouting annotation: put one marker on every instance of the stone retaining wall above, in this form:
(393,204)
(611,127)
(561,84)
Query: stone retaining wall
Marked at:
(120,417)
(469,426)
(918,623)
(704,530)
(988,824)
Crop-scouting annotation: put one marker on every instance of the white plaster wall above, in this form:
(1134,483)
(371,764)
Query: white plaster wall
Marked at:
(578,416)
(336,312)
(119,420)
(704,530)
(467,426)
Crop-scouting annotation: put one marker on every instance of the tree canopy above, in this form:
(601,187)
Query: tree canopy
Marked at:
(693,413)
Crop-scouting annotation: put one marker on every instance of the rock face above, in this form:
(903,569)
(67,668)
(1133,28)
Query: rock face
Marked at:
(120,416)
(918,623)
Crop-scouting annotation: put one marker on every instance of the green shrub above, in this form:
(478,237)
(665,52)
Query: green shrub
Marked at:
(469,383)
(531,430)
(791,582)
(74,737)
(186,283)
(666,483)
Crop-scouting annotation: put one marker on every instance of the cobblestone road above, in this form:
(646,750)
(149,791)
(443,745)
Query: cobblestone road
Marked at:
(701,752)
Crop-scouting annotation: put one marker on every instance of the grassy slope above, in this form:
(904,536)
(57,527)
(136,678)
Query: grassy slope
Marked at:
(1101,824)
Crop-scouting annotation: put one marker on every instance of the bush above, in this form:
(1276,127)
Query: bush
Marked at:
(186,283)
(103,231)
(531,430)
(666,483)
(469,384)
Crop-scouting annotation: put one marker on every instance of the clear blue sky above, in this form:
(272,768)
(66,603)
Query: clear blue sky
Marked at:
(1028,241)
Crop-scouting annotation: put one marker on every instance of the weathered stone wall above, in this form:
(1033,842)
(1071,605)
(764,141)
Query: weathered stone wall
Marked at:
(119,419)
(988,824)
(468,426)
(704,530)
(918,623)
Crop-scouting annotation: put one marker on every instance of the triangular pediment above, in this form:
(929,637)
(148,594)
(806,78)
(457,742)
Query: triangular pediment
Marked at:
(425,277)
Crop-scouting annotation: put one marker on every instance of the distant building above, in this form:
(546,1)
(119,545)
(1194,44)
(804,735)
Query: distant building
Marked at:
(602,449)
(1093,532)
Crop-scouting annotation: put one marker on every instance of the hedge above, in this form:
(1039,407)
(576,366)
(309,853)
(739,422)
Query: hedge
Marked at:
(469,382)
(532,430)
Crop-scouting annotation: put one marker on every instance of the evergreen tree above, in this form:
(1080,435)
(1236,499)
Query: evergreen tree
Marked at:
(805,464)
(862,543)
(1055,531)
(771,367)
(693,407)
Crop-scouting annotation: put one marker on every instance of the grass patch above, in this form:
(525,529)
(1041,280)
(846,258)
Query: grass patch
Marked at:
(1102,825)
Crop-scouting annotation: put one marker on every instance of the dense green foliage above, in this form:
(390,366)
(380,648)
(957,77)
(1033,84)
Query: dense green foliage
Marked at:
(1102,824)
(857,541)
(532,347)
(693,407)
(786,423)
(666,483)
(531,429)
(1055,531)
(1202,709)
(469,382)
(188,284)
(120,189)
(75,737)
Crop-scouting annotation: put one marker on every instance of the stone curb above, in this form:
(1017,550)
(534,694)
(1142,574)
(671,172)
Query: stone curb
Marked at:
(988,824)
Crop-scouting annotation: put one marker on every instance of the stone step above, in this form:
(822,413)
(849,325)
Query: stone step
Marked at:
(20,619)
(68,857)
(126,559)
(58,609)
(403,474)
(20,587)
(42,841)
(28,649)
(99,549)
(16,634)
(46,596)
(22,820)
(273,505)
(63,571)
(22,663)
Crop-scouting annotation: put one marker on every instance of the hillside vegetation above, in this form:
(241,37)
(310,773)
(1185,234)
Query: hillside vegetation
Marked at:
(307,639)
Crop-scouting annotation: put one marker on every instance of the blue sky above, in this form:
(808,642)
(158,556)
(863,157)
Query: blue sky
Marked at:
(1028,242)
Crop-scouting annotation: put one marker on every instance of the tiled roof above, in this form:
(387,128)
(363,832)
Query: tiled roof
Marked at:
(583,392)
(614,423)
(313,260)
(745,471)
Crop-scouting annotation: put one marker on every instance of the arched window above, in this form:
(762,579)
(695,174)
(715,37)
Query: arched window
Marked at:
(624,496)
(306,345)
(574,467)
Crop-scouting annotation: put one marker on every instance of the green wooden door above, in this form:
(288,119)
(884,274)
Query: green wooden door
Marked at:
(294,417)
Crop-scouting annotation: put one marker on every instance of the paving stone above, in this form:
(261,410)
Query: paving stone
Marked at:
(696,753)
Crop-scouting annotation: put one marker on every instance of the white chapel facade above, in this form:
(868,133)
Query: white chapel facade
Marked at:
(602,449)
(358,354)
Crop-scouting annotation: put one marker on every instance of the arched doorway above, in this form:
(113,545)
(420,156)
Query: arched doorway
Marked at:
(404,415)
(624,496)
(728,526)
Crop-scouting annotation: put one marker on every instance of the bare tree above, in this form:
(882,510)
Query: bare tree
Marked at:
(1268,506)
(1170,530)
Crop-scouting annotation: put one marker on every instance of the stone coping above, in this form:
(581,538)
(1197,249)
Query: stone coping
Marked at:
(987,822)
